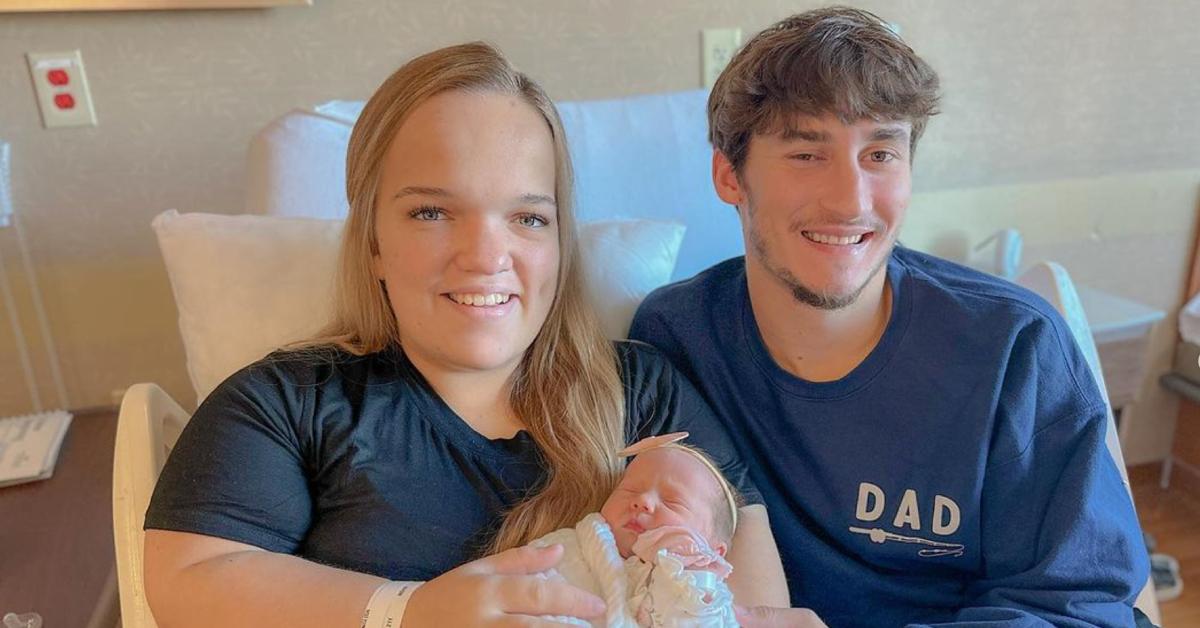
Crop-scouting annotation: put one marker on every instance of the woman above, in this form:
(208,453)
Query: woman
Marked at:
(462,401)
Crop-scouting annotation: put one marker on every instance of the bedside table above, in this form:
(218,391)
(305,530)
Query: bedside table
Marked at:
(56,535)
(1121,328)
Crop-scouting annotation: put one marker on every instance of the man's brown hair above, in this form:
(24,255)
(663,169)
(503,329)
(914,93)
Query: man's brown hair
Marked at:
(836,60)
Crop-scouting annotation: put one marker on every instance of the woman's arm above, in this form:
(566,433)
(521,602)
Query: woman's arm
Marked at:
(197,580)
(757,578)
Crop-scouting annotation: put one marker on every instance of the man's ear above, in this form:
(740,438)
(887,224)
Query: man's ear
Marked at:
(725,180)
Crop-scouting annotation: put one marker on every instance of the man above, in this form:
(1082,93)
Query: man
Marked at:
(929,439)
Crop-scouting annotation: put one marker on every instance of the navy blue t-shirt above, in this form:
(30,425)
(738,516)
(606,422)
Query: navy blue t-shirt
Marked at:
(958,474)
(356,462)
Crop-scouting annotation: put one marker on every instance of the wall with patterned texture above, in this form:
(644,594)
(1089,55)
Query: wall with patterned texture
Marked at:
(1033,92)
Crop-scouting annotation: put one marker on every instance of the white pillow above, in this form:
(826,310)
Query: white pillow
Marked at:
(623,260)
(246,285)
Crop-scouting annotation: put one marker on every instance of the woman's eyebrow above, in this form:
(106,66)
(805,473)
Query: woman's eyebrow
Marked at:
(538,199)
(414,190)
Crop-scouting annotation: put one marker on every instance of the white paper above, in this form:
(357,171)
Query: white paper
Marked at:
(29,445)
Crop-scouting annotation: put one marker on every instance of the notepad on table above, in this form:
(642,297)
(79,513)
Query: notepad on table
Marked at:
(29,445)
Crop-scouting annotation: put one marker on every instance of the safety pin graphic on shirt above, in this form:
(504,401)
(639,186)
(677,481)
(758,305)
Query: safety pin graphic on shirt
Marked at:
(936,550)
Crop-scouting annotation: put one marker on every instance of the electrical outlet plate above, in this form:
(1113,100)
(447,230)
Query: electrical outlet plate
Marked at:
(717,47)
(62,89)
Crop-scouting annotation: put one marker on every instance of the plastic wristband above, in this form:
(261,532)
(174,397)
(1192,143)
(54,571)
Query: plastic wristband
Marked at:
(386,606)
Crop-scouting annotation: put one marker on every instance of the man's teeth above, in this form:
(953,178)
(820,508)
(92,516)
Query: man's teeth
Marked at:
(831,239)
(480,300)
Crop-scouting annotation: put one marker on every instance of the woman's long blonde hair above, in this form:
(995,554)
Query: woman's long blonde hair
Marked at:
(567,389)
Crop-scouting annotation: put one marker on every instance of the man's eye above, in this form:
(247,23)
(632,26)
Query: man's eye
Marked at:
(532,220)
(804,157)
(426,212)
(882,156)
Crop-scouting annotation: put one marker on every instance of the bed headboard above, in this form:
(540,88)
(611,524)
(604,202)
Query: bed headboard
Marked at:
(644,157)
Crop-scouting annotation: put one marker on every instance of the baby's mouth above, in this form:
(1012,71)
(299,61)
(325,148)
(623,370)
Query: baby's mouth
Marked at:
(634,526)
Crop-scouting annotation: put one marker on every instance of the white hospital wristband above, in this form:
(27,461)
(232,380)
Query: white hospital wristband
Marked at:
(386,606)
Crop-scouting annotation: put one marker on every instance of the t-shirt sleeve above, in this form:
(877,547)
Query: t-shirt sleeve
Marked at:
(237,470)
(660,400)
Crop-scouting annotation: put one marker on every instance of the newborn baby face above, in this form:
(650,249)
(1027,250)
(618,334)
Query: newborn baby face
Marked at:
(663,487)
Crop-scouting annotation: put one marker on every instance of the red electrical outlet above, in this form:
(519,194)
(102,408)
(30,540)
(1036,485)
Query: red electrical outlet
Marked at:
(62,89)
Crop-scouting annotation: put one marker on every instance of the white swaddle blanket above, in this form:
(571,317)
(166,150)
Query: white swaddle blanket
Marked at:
(637,593)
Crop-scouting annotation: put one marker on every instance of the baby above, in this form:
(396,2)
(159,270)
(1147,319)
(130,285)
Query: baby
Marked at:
(655,551)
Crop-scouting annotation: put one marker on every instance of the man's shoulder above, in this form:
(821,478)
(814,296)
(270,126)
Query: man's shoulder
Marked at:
(959,292)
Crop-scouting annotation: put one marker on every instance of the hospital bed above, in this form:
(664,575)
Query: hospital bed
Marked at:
(247,284)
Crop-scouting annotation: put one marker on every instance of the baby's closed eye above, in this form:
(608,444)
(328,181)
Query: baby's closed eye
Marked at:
(677,503)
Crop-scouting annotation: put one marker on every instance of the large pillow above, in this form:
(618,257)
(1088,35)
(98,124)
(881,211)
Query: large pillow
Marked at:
(246,285)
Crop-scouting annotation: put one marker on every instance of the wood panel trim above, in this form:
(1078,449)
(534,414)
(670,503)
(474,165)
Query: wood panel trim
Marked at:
(1193,286)
(20,6)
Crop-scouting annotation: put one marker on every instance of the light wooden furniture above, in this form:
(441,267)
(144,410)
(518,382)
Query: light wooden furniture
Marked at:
(138,5)
(1184,461)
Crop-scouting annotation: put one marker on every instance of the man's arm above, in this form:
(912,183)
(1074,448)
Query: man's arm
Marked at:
(1061,541)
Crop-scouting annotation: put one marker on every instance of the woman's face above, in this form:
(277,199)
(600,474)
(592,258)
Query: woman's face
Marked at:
(467,227)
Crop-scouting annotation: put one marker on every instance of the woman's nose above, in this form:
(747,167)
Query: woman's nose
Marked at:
(483,247)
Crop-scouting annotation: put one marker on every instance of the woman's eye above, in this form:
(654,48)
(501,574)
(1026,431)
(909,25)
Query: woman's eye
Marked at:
(532,220)
(427,213)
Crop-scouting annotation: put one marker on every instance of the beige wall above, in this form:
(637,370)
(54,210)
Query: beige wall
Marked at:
(1081,89)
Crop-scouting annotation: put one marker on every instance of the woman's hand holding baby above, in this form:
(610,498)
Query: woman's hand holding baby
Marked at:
(684,543)
(500,590)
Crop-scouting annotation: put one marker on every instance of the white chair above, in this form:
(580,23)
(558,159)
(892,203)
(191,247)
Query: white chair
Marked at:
(147,428)
(1052,283)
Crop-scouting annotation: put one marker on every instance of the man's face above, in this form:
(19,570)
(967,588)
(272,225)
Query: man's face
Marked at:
(821,204)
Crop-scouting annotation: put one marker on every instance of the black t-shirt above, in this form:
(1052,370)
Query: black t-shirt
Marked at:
(356,462)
